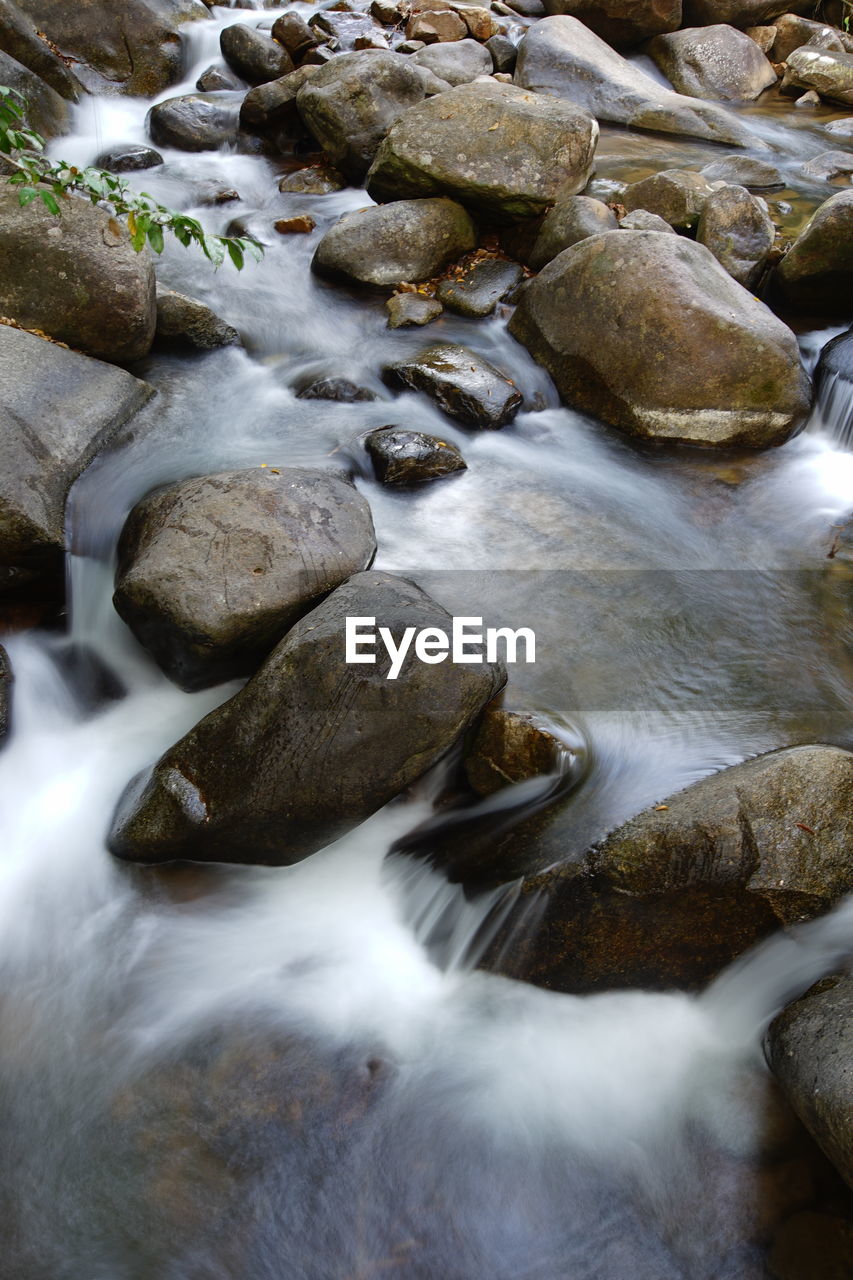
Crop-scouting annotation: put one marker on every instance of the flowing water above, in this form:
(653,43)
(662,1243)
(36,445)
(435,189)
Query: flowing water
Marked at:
(300,1073)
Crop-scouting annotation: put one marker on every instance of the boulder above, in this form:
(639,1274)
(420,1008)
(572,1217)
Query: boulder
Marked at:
(58,409)
(434,27)
(810,1051)
(213,571)
(196,121)
(739,231)
(314,179)
(829,164)
(217,78)
(186,324)
(129,157)
(404,459)
(826,72)
(408,240)
(273,104)
(817,272)
(508,748)
(836,359)
(717,62)
(502,152)
(793,31)
(457,63)
(568,222)
(253,56)
(676,195)
(412,309)
(621,23)
(462,383)
(476,290)
(91,290)
(136,46)
(5,692)
(20,41)
(643,220)
(47,112)
(649,333)
(502,52)
(312,745)
(740,13)
(351,103)
(349,30)
(744,171)
(561,56)
(339,390)
(294,34)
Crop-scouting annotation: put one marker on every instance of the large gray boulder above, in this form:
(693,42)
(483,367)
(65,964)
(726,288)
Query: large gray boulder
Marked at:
(561,56)
(502,152)
(456,63)
(57,410)
(199,122)
(353,101)
(621,22)
(20,40)
(649,333)
(254,56)
(312,745)
(409,240)
(717,62)
(213,571)
(739,231)
(817,272)
(676,195)
(91,290)
(827,71)
(568,222)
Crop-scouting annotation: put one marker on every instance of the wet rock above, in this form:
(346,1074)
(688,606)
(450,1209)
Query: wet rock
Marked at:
(809,100)
(508,748)
(836,358)
(5,692)
(57,410)
(185,323)
(829,164)
(464,385)
(793,31)
(129,158)
(717,62)
(46,111)
(642,220)
(810,1050)
(478,290)
(563,57)
(481,24)
(500,151)
(818,270)
(408,458)
(649,333)
(299,225)
(408,309)
(213,571)
(568,222)
(457,63)
(136,47)
(825,72)
(840,128)
(196,121)
(503,53)
(315,180)
(91,291)
(350,105)
(312,745)
(254,56)
(436,27)
(763,37)
(385,245)
(341,390)
(347,28)
(676,195)
(219,78)
(743,171)
(21,41)
(270,105)
(738,230)
(621,23)
(294,34)
(319,56)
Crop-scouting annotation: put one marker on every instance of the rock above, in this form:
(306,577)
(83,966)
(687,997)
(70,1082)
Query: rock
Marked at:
(218,78)
(836,359)
(270,105)
(315,180)
(57,410)
(347,28)
(525,8)
(793,31)
(430,83)
(621,23)
(436,27)
(827,73)
(340,390)
(130,157)
(464,385)
(312,745)
(509,748)
(213,571)
(410,46)
(254,56)
(408,309)
(809,1239)
(502,152)
(91,290)
(738,230)
(478,289)
(503,53)
(725,372)
(740,13)
(300,225)
(829,164)
(809,100)
(319,56)
(561,56)
(385,245)
(21,42)
(817,272)
(642,220)
(294,34)
(568,222)
(185,323)
(5,683)
(405,458)
(840,128)
(717,62)
(457,63)
(136,47)
(350,105)
(810,1051)
(763,37)
(196,121)
(743,171)
(676,195)
(387,12)
(47,112)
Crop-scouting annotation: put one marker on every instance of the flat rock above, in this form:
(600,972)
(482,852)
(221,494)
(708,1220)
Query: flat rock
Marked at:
(477,290)
(312,745)
(739,231)
(405,459)
(462,383)
(621,23)
(650,334)
(408,240)
(252,55)
(817,271)
(717,62)
(744,171)
(568,222)
(213,571)
(826,72)
(412,309)
(676,195)
(130,157)
(185,323)
(457,63)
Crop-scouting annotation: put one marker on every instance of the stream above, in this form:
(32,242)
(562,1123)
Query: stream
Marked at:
(300,1073)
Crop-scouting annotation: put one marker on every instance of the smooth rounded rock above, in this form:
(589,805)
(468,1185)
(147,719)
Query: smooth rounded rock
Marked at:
(463,384)
(817,271)
(196,121)
(404,459)
(717,62)
(739,231)
(130,158)
(568,222)
(676,195)
(253,55)
(408,240)
(185,323)
(412,309)
(457,63)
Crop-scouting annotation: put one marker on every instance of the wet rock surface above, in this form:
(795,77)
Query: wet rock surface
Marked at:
(508,748)
(408,240)
(340,390)
(476,290)
(676,195)
(409,458)
(406,309)
(5,693)
(196,122)
(739,231)
(129,159)
(461,382)
(213,571)
(253,56)
(818,270)
(186,323)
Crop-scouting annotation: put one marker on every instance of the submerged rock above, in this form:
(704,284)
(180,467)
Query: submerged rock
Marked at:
(817,272)
(340,390)
(739,231)
(312,745)
(213,571)
(717,62)
(498,150)
(462,383)
(409,240)
(568,222)
(676,195)
(479,288)
(186,322)
(408,458)
(649,333)
(255,57)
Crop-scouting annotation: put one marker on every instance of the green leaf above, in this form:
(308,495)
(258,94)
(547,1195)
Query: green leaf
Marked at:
(235,253)
(27,195)
(155,237)
(49,201)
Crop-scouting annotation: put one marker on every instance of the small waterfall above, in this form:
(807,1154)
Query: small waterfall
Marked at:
(834,408)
